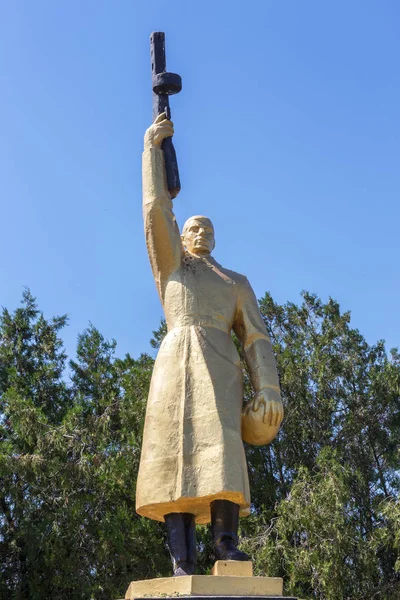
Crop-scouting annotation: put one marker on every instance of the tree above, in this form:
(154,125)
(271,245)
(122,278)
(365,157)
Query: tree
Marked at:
(68,463)
(339,443)
(325,509)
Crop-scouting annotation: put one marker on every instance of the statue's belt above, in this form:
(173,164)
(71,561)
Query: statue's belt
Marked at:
(203,322)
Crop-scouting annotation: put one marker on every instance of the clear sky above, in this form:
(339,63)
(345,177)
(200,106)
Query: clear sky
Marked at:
(287,132)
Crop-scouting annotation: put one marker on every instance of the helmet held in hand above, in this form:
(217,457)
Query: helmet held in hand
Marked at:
(262,418)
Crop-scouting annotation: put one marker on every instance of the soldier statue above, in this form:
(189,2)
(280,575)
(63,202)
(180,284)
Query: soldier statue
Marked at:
(193,466)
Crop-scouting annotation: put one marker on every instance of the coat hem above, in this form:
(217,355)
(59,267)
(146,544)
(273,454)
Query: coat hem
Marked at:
(199,507)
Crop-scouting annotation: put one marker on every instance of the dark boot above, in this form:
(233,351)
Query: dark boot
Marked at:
(224,527)
(190,534)
(181,539)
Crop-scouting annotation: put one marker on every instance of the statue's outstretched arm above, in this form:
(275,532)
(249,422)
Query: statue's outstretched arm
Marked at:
(250,329)
(162,233)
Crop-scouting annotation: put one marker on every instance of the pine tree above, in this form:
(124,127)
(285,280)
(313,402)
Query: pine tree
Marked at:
(327,481)
(325,509)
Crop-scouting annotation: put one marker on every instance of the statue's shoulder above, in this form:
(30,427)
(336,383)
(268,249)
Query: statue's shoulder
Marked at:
(238,278)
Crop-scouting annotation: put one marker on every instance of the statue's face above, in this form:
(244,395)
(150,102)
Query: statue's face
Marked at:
(198,236)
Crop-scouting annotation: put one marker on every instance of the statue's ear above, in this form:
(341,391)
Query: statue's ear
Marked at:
(183,240)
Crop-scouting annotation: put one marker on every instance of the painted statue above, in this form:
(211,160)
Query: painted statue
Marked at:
(193,466)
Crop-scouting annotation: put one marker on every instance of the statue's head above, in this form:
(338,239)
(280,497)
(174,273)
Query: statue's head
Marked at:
(198,236)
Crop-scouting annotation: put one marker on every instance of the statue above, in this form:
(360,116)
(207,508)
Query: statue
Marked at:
(193,466)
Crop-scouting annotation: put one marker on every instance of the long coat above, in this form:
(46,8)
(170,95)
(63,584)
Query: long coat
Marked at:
(192,450)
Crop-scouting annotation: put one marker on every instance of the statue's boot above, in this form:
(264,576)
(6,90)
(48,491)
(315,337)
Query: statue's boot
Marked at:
(181,539)
(224,527)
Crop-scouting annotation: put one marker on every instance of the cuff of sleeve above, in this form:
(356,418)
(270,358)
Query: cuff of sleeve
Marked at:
(270,388)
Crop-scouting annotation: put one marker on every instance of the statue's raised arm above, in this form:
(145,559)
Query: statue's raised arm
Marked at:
(162,234)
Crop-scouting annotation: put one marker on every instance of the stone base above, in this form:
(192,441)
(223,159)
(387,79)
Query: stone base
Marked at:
(206,585)
(220,598)
(235,568)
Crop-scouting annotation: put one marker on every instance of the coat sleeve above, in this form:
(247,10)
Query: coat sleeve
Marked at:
(161,230)
(250,329)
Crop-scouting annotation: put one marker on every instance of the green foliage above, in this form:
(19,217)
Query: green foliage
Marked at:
(68,464)
(327,482)
(325,513)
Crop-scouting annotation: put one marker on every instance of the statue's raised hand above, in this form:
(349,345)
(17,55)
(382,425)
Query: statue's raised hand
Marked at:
(157,132)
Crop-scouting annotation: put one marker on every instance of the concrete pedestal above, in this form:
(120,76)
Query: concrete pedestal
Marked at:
(219,598)
(230,580)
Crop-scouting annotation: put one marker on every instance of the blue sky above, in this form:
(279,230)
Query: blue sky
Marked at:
(287,132)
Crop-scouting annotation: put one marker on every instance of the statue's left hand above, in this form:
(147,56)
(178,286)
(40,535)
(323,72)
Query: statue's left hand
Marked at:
(269,402)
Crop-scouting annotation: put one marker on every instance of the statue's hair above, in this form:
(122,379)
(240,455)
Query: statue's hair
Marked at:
(194,218)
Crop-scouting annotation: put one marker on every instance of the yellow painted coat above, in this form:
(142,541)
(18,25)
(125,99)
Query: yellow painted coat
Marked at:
(192,449)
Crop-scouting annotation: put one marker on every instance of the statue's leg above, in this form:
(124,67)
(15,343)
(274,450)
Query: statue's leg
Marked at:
(181,538)
(224,527)
(190,534)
